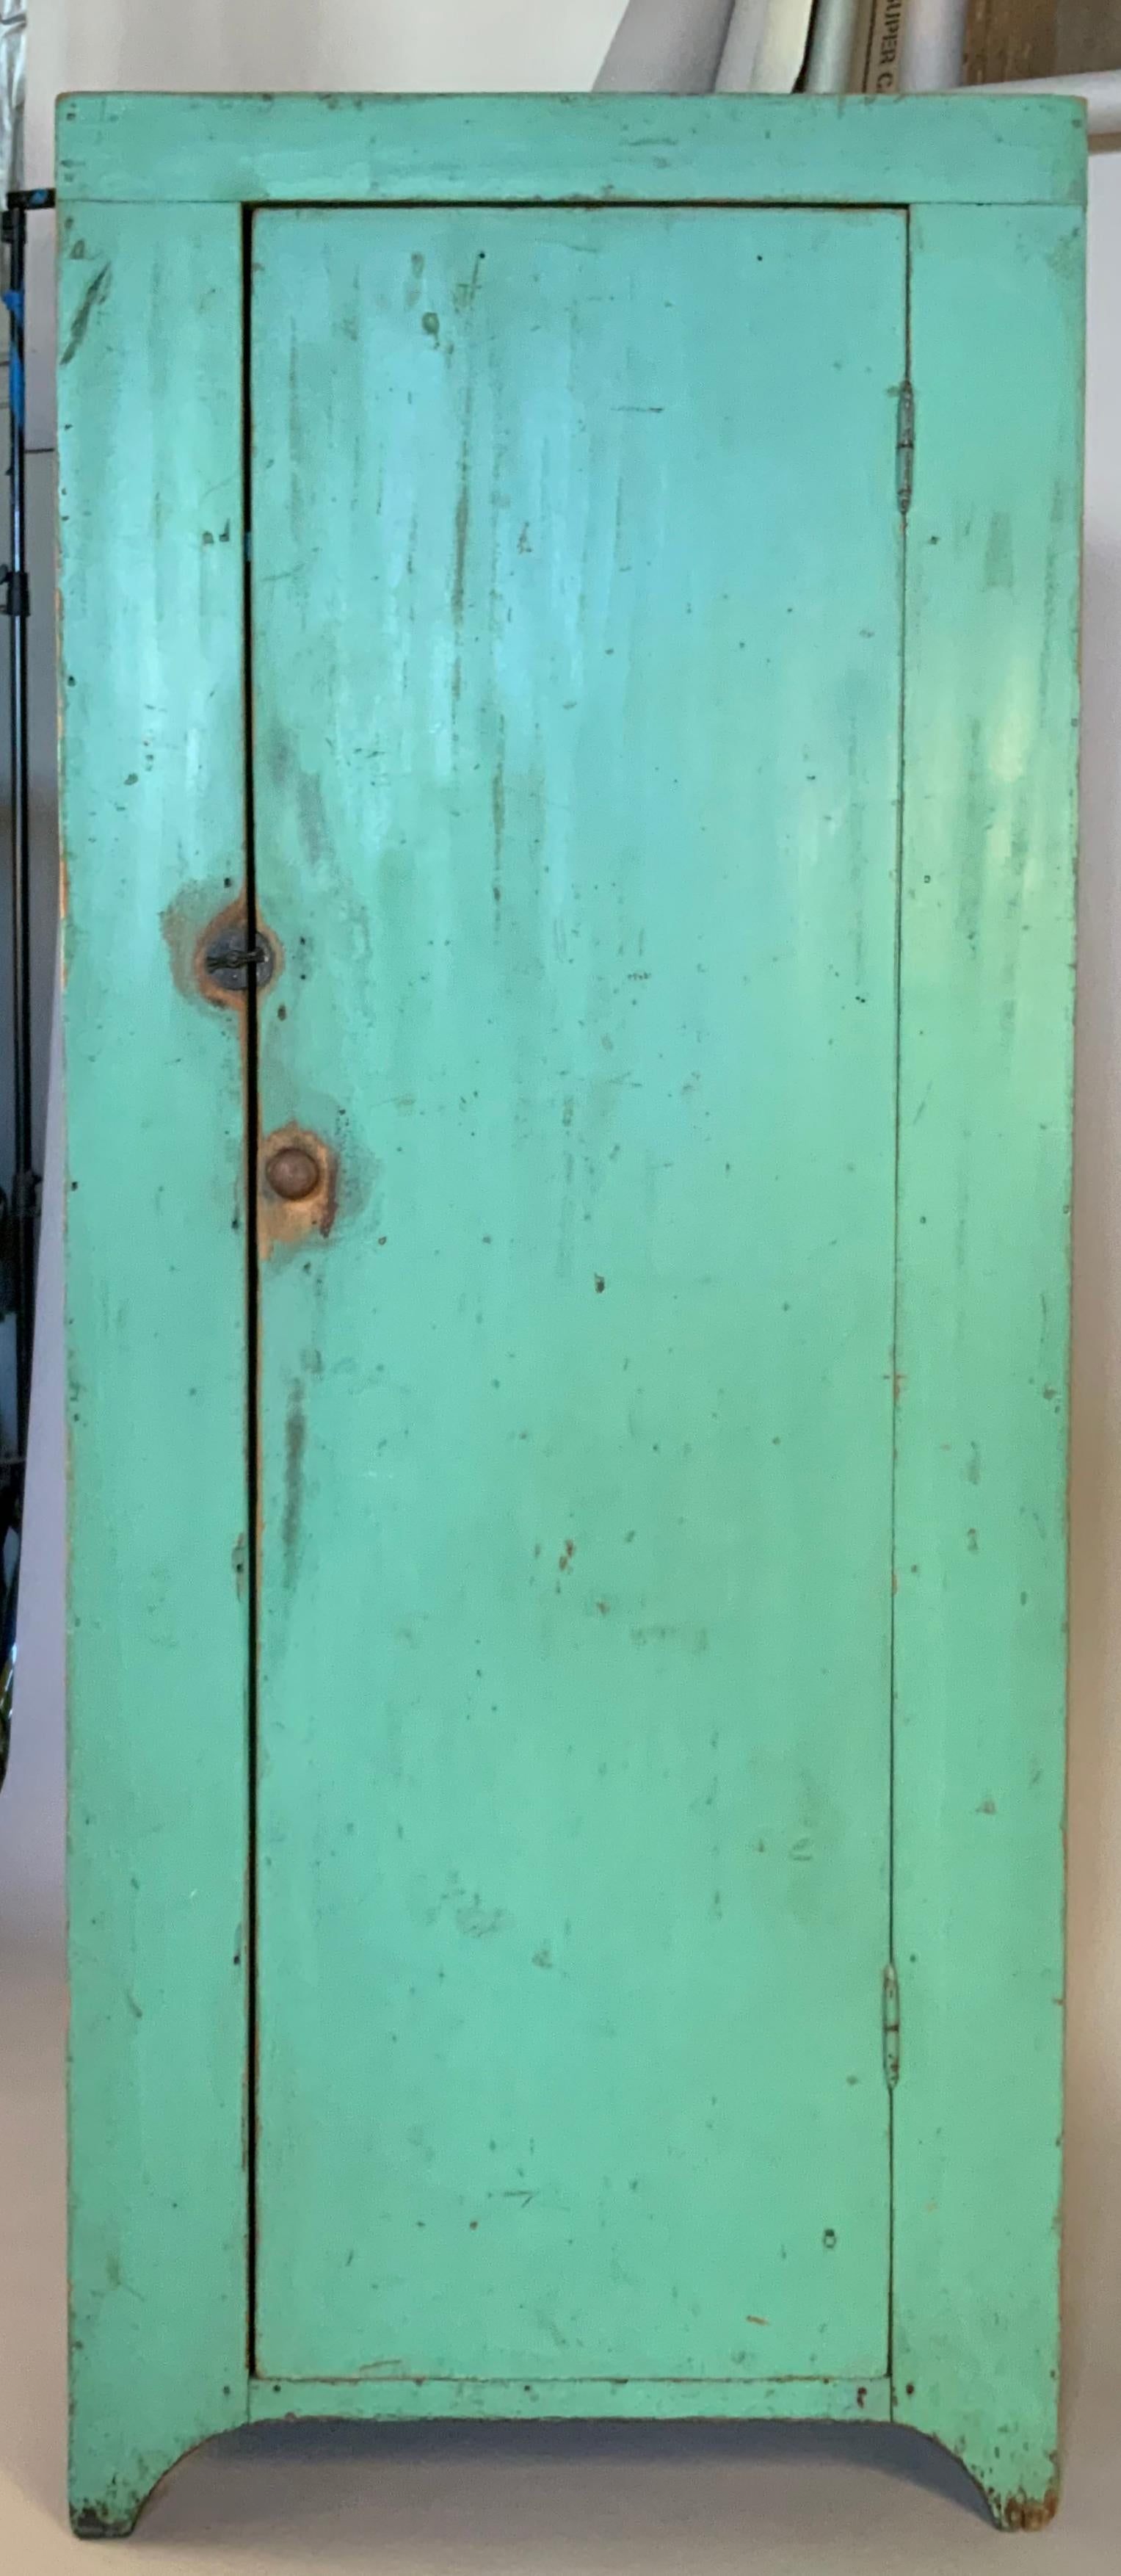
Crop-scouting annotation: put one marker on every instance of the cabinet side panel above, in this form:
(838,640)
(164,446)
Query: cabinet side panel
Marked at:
(985,1120)
(153,807)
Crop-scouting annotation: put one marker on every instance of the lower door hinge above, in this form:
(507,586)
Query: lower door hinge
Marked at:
(891,2024)
(905,444)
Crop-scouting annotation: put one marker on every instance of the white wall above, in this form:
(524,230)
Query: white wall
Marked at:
(542,44)
(292,44)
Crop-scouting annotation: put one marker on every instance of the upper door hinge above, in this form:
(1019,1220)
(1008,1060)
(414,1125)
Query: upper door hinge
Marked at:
(891,2024)
(905,444)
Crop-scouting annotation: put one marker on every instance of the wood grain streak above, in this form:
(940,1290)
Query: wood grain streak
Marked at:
(1035,39)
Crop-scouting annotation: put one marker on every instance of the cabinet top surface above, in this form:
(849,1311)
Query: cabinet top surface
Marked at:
(539,147)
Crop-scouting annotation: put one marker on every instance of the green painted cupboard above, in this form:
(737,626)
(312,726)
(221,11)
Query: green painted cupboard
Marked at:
(568,682)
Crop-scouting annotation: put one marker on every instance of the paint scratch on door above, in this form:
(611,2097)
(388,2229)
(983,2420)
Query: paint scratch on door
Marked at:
(295,1443)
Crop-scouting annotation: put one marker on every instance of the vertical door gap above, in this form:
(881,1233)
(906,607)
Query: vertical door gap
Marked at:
(893,1571)
(252,1336)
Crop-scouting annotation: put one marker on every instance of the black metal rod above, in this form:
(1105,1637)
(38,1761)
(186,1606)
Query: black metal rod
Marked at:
(24,1209)
(18,606)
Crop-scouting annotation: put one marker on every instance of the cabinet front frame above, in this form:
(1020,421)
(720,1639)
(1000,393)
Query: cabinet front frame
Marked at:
(155,200)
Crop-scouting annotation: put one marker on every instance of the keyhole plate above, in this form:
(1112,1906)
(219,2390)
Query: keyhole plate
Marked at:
(226,958)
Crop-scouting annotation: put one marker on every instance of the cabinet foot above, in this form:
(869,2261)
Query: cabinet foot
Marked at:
(1023,2512)
(105,2521)
(124,2484)
(1016,2478)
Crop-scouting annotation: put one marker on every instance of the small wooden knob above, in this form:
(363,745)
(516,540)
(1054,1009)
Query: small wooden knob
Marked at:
(292,1172)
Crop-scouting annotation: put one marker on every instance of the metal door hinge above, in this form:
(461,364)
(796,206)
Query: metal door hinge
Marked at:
(905,444)
(891,2024)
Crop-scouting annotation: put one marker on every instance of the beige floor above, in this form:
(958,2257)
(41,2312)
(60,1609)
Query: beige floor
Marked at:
(540,2501)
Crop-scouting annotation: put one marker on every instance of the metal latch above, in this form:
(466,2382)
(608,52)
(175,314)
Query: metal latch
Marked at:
(229,959)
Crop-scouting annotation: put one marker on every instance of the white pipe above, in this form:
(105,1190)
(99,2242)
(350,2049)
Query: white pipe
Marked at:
(666,45)
(1101,91)
(746,28)
(829,66)
(782,50)
(765,46)
(932,44)
(13,44)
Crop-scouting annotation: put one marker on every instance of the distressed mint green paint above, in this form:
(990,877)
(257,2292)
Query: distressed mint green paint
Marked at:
(152,798)
(988,936)
(831,151)
(153,778)
(576,779)
(407,2401)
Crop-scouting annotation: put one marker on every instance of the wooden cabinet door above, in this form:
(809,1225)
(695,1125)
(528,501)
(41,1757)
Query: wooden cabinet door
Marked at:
(575,625)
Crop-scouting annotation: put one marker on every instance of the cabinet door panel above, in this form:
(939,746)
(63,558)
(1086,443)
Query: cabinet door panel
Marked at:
(575,633)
